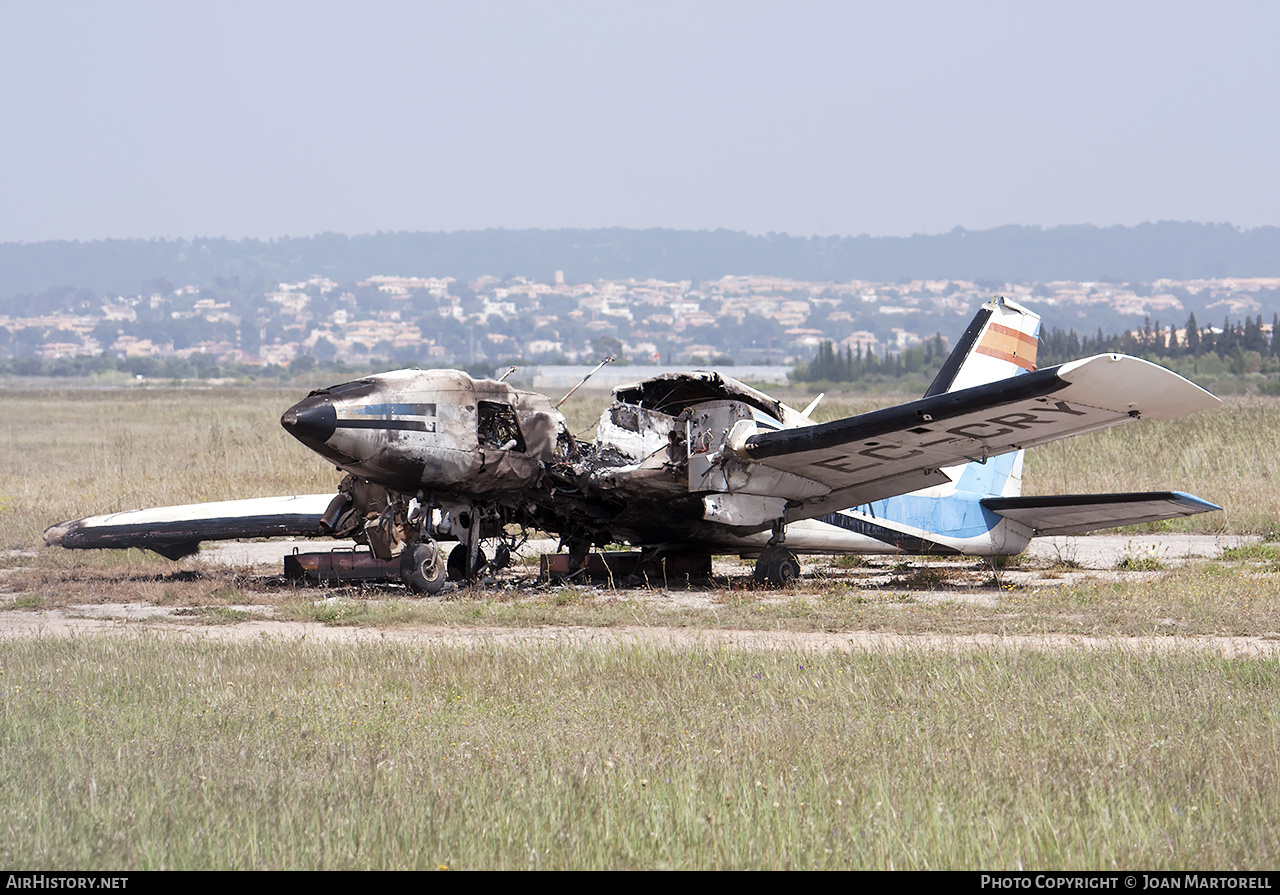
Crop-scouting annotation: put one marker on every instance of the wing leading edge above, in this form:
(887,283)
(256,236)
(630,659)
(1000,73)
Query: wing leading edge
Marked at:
(902,449)
(175,532)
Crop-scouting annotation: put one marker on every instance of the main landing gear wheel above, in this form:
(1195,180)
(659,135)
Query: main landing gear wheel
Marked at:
(422,568)
(458,564)
(778,567)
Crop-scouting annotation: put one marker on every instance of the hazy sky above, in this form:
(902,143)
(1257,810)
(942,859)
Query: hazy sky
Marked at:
(140,119)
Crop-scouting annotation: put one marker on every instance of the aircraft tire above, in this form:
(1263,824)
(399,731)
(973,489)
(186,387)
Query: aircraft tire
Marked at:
(788,571)
(422,568)
(763,570)
(458,563)
(777,567)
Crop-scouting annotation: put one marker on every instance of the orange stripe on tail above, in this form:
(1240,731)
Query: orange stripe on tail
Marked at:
(1008,344)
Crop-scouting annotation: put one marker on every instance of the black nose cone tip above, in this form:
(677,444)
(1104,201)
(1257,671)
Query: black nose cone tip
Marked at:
(311,421)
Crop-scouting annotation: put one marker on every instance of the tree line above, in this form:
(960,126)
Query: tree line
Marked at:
(1241,348)
(1155,340)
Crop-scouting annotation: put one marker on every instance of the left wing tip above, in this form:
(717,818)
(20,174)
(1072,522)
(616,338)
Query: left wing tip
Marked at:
(54,534)
(1198,503)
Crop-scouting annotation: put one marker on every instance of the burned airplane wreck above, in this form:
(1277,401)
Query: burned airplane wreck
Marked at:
(693,463)
(509,463)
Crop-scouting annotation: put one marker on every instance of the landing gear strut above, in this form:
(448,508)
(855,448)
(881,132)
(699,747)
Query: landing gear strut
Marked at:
(777,566)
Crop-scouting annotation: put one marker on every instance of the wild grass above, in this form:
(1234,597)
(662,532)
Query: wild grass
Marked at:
(143,752)
(1238,597)
(1265,555)
(1195,600)
(1226,599)
(215,615)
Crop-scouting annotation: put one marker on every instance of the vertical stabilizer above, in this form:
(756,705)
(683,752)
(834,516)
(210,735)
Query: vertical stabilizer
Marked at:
(999,343)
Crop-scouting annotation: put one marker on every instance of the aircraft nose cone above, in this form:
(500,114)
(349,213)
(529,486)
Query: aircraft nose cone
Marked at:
(311,421)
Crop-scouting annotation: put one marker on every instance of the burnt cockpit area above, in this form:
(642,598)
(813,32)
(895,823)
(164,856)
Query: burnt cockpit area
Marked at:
(497,427)
(672,393)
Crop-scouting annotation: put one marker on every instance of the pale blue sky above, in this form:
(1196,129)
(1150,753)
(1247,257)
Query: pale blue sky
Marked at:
(140,119)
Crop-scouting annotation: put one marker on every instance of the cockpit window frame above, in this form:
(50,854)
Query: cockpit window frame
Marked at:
(498,426)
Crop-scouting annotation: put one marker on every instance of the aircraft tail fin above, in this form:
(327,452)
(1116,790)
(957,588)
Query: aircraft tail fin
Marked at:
(999,342)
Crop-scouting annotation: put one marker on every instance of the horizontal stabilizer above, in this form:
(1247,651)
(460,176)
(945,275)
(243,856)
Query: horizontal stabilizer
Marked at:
(1073,514)
(175,532)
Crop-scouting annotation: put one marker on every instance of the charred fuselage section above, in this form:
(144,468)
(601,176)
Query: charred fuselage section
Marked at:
(436,455)
(429,455)
(438,430)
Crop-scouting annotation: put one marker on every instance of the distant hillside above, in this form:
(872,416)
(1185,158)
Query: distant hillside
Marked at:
(1027,254)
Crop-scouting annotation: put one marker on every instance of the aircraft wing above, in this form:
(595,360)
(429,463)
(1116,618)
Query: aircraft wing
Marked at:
(902,449)
(175,532)
(1073,514)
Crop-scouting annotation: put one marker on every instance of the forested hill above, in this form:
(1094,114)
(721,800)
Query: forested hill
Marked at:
(1006,254)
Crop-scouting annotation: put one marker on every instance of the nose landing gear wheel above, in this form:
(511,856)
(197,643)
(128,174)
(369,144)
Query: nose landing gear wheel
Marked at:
(422,568)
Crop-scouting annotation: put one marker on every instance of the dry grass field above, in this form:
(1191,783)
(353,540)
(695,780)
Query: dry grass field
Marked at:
(432,741)
(149,752)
